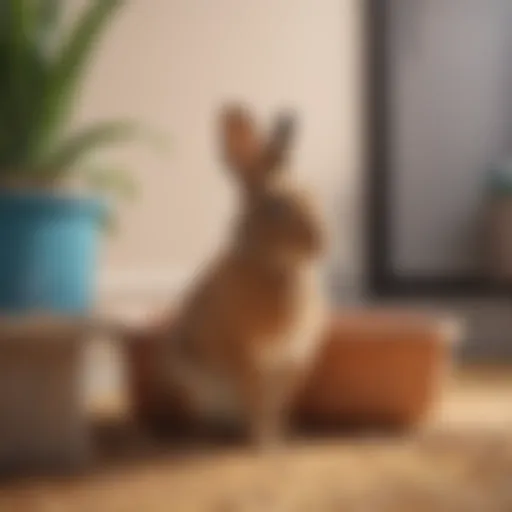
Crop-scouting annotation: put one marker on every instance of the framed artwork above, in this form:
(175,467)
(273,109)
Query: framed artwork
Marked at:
(439,114)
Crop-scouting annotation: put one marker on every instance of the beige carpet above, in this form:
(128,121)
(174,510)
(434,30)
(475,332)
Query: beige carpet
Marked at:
(435,471)
(461,461)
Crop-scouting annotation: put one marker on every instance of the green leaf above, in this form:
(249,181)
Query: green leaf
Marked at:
(77,146)
(109,223)
(70,64)
(110,180)
(19,67)
(48,24)
(23,72)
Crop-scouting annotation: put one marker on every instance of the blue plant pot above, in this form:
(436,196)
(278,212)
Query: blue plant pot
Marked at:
(48,247)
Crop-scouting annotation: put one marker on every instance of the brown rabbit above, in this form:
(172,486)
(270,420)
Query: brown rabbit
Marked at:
(253,322)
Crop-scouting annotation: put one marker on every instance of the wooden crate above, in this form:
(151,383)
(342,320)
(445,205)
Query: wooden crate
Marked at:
(43,424)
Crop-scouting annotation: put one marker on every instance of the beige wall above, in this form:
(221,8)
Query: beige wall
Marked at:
(171,63)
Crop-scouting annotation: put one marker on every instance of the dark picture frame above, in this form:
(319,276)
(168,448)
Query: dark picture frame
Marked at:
(382,279)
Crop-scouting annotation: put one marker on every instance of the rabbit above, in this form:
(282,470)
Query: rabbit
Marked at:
(250,326)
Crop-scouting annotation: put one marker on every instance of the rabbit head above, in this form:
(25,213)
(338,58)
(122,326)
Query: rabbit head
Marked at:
(279,219)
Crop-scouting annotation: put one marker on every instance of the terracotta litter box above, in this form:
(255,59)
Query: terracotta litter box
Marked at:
(378,368)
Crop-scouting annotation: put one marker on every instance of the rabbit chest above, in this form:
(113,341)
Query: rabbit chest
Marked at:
(292,321)
(277,321)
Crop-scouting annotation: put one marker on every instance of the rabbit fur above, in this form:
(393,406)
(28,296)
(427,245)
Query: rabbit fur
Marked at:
(251,324)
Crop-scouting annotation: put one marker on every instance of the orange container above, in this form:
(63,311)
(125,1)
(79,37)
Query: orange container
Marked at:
(377,368)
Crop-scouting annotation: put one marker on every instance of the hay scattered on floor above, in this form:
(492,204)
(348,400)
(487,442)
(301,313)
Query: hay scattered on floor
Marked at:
(439,471)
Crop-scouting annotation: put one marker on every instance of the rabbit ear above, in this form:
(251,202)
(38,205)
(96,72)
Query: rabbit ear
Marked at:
(241,144)
(280,142)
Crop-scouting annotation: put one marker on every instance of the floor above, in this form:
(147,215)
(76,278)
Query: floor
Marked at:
(460,460)
(477,397)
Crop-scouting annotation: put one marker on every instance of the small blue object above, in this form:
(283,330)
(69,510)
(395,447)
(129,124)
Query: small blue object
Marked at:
(48,247)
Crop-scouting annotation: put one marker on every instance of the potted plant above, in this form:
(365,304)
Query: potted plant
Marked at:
(48,232)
